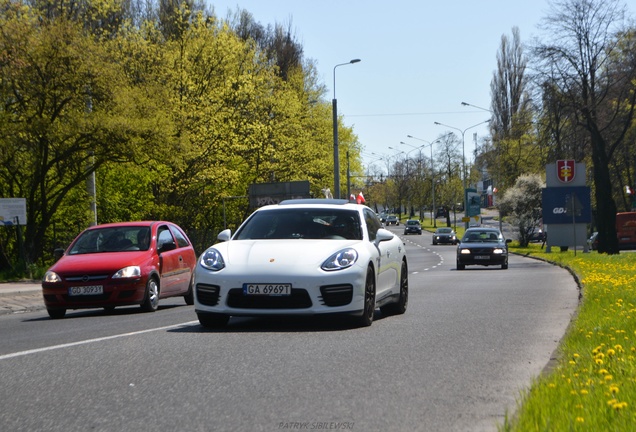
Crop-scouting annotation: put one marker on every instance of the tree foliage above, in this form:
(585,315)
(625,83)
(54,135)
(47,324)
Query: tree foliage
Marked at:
(588,73)
(514,150)
(521,203)
(173,110)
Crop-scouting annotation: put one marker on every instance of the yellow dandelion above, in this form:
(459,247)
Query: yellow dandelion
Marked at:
(603,371)
(572,362)
(612,402)
(608,377)
(577,356)
(613,389)
(552,385)
(610,352)
(580,420)
(584,392)
(599,361)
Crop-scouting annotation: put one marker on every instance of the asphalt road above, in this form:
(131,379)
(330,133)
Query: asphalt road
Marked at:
(469,342)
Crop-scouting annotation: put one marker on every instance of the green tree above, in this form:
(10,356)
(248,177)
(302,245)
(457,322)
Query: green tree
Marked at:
(579,59)
(50,88)
(514,148)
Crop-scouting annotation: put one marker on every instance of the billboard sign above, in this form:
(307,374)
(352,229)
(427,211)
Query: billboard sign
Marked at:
(566,205)
(473,202)
(13,211)
(261,194)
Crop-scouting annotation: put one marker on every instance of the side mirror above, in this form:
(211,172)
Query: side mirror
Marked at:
(58,253)
(383,235)
(224,235)
(168,246)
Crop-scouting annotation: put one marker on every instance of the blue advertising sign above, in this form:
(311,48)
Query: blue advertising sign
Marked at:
(566,205)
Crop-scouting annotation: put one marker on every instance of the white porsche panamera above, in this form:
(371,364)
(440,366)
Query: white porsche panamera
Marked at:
(303,257)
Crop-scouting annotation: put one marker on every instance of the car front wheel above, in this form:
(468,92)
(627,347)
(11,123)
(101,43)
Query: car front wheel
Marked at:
(56,313)
(369,300)
(151,301)
(399,307)
(189,296)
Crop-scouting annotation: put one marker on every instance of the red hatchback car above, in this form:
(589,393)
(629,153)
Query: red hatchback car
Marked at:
(120,264)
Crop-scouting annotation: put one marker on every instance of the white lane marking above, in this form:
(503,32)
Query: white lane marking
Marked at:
(67,345)
(428,249)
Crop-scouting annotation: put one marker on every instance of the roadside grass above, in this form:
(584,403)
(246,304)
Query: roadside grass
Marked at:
(593,384)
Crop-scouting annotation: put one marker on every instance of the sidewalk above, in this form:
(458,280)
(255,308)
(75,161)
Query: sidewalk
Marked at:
(19,297)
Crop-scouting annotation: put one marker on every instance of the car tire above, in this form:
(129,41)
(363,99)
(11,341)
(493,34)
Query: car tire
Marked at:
(189,296)
(461,266)
(212,320)
(56,313)
(399,307)
(369,300)
(504,266)
(151,299)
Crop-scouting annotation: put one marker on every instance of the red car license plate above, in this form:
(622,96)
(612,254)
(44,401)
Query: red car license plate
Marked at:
(86,290)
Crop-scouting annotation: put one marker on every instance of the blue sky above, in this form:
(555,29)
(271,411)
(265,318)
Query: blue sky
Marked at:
(420,60)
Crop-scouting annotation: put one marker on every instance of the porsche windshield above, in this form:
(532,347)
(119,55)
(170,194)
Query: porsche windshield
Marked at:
(302,224)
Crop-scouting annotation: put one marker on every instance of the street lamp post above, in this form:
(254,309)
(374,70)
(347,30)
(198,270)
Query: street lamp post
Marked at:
(463,132)
(336,161)
(475,106)
(430,144)
(491,112)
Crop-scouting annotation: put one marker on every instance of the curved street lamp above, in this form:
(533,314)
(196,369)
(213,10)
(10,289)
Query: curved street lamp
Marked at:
(336,161)
(475,106)
(463,132)
(430,144)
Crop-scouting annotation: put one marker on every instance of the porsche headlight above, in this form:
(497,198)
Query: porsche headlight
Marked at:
(128,272)
(498,251)
(212,260)
(340,260)
(52,277)
(465,251)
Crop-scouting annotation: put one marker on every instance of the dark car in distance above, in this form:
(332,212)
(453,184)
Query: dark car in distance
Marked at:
(412,226)
(444,236)
(482,246)
(392,220)
(121,264)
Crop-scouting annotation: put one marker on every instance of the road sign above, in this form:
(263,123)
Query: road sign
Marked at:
(13,211)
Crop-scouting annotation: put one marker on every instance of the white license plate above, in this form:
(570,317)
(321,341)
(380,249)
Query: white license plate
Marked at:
(86,290)
(482,257)
(267,289)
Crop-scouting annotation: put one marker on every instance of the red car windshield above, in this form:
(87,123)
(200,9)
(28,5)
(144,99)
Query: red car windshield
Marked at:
(112,239)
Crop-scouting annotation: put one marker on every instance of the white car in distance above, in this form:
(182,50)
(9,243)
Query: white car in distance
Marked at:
(303,257)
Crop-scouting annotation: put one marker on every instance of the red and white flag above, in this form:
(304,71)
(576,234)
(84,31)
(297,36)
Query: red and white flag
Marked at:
(360,199)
